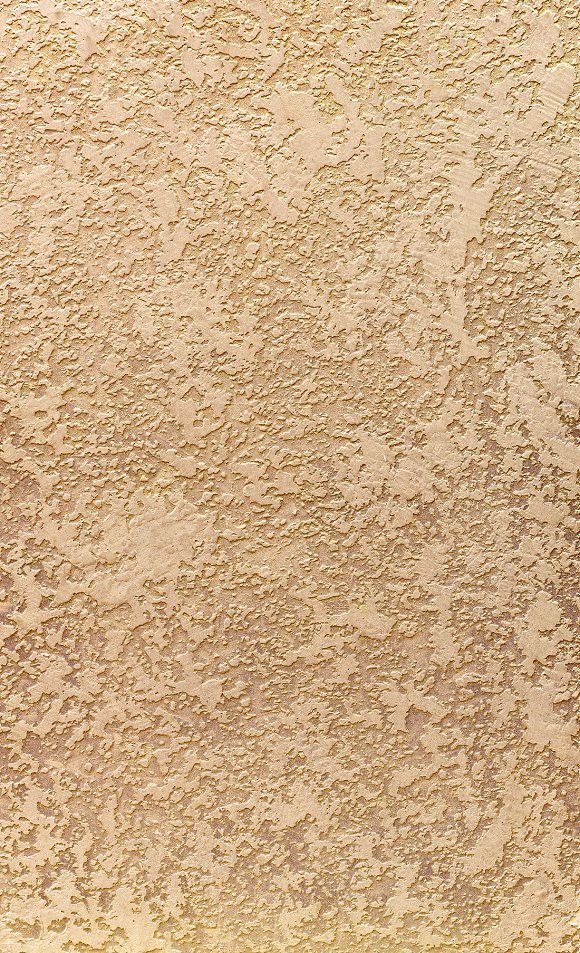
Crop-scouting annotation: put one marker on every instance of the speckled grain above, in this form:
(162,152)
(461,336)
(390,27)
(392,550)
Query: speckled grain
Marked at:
(288,392)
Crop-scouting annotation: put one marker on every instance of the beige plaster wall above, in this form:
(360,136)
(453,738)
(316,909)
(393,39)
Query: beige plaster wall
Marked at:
(288,473)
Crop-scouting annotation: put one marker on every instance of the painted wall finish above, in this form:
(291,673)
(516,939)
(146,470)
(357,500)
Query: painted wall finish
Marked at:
(288,471)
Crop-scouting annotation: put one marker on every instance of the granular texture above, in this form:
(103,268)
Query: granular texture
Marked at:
(288,468)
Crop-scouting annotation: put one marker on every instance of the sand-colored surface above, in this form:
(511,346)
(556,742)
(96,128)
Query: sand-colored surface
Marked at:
(288,392)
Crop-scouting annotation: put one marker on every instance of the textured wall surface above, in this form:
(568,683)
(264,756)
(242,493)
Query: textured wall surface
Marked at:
(288,472)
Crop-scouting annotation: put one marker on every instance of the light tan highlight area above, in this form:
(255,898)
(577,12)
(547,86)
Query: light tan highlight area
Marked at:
(288,391)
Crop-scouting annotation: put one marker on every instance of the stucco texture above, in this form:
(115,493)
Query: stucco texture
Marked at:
(287,391)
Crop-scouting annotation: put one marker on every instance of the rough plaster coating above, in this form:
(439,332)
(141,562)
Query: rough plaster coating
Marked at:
(288,298)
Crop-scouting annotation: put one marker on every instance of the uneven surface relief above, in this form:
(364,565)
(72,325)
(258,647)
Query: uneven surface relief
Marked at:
(288,393)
